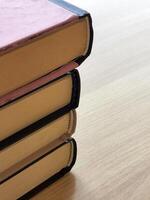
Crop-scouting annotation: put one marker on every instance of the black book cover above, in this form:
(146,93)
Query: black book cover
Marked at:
(44,121)
(53,178)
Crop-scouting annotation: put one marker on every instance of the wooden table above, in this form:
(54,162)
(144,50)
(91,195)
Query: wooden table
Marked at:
(113,131)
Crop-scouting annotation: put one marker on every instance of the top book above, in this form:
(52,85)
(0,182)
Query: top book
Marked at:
(37,37)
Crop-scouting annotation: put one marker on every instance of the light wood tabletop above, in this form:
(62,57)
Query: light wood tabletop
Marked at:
(113,130)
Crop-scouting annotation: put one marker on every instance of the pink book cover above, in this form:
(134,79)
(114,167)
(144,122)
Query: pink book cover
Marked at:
(23,21)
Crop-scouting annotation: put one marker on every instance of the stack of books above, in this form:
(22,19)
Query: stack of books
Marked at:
(41,44)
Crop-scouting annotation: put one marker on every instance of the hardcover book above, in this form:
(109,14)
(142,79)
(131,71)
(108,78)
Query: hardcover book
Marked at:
(37,37)
(40,173)
(15,94)
(41,105)
(21,153)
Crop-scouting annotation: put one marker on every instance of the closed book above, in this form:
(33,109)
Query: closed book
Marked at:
(21,91)
(40,173)
(43,105)
(38,37)
(21,153)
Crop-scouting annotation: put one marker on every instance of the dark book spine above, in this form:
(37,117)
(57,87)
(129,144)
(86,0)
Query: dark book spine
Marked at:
(52,116)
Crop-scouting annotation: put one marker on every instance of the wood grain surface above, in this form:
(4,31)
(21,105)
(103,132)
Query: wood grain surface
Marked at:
(113,131)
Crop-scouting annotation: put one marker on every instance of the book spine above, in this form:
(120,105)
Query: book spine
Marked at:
(68,6)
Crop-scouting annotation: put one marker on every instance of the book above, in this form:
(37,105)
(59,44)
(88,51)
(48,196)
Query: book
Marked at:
(17,155)
(15,94)
(47,103)
(21,153)
(40,173)
(38,37)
